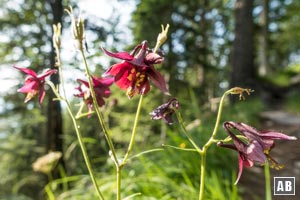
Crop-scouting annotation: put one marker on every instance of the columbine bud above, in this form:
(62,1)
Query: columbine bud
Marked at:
(162,37)
(77,29)
(56,35)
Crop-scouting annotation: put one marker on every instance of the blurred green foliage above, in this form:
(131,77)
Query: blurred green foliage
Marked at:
(163,174)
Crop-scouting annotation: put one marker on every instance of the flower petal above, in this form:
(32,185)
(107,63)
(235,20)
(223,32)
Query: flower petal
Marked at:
(103,82)
(158,80)
(153,58)
(47,72)
(241,164)
(255,152)
(42,94)
(27,71)
(85,83)
(273,135)
(120,55)
(243,161)
(29,86)
(118,68)
(121,78)
(145,88)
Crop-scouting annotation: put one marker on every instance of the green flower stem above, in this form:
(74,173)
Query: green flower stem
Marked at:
(156,47)
(130,146)
(85,155)
(181,122)
(202,152)
(76,126)
(267,181)
(202,175)
(80,140)
(119,178)
(208,144)
(131,143)
(99,114)
(212,138)
(49,192)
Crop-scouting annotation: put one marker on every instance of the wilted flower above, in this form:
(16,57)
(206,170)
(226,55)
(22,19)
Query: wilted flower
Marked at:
(46,163)
(34,83)
(132,74)
(165,111)
(101,88)
(240,91)
(256,146)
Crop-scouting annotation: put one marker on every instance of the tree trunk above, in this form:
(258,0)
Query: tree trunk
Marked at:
(242,71)
(263,40)
(55,126)
(203,46)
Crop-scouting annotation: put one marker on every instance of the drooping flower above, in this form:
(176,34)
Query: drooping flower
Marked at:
(165,111)
(34,84)
(134,72)
(101,88)
(256,146)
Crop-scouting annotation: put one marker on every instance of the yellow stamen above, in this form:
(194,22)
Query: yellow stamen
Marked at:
(273,163)
(130,92)
(129,77)
(30,95)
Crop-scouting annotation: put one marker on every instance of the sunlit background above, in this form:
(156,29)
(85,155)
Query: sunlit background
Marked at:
(211,47)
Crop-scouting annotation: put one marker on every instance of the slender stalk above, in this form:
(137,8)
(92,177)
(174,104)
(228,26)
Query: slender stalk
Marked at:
(81,144)
(130,146)
(119,177)
(137,116)
(49,192)
(267,181)
(212,138)
(85,155)
(63,174)
(208,144)
(76,126)
(181,122)
(202,175)
(99,114)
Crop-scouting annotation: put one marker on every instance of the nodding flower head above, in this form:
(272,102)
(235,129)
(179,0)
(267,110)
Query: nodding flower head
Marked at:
(135,70)
(256,146)
(34,83)
(101,88)
(165,111)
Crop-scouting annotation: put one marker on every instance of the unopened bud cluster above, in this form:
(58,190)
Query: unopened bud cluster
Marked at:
(77,29)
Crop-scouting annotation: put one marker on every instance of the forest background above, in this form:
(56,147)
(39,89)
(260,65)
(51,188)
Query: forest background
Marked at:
(212,46)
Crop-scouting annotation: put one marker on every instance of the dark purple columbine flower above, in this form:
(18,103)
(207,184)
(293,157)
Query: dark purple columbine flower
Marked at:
(34,84)
(133,72)
(256,146)
(165,111)
(101,88)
